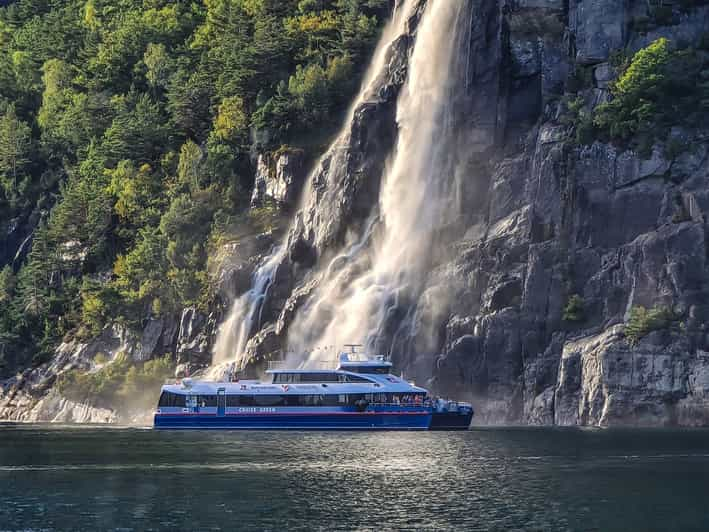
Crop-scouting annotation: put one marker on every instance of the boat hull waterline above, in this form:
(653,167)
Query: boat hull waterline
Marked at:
(293,421)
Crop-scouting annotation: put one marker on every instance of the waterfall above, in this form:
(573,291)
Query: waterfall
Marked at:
(243,318)
(378,277)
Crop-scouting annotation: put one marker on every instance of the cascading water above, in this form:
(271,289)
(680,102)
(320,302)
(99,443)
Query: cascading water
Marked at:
(244,316)
(230,347)
(361,289)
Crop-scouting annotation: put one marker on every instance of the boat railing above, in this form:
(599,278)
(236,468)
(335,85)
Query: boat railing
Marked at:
(401,403)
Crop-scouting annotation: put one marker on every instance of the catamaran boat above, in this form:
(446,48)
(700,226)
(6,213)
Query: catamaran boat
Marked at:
(360,394)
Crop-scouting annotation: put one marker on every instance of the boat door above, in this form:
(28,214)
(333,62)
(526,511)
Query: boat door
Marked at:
(221,401)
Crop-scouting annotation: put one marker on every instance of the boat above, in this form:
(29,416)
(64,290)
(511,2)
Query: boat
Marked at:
(359,394)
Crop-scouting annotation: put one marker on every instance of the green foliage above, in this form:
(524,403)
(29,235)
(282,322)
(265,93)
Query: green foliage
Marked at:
(98,300)
(140,274)
(580,118)
(126,138)
(643,321)
(138,130)
(660,87)
(118,384)
(15,146)
(574,309)
(7,285)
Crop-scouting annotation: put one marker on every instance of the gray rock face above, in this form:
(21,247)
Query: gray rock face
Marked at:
(30,396)
(279,177)
(195,337)
(545,219)
(599,27)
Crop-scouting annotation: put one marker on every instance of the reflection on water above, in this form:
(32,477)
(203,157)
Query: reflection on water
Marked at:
(519,479)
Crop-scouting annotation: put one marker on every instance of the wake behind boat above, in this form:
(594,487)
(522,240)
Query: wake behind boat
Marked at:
(360,394)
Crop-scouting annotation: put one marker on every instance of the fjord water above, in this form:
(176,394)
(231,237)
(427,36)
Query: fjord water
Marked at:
(84,478)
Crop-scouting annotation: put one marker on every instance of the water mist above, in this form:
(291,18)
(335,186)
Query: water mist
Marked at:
(385,269)
(244,316)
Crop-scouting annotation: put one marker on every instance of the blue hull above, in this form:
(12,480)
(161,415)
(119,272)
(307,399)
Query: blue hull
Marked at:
(331,421)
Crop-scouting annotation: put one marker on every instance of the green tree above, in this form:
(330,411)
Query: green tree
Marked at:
(141,273)
(661,86)
(137,131)
(7,285)
(643,321)
(159,65)
(15,146)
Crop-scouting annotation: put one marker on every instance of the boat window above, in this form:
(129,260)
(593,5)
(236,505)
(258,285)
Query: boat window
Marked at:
(319,377)
(191,401)
(268,400)
(259,400)
(240,400)
(377,370)
(290,378)
(171,399)
(308,400)
(318,400)
(286,378)
(207,400)
(354,397)
(330,400)
(397,398)
(355,378)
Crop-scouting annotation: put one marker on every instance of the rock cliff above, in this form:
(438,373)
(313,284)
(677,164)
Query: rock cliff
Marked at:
(542,219)
(531,288)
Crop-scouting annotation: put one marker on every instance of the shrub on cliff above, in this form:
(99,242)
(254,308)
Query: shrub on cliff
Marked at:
(574,309)
(643,321)
(7,284)
(661,87)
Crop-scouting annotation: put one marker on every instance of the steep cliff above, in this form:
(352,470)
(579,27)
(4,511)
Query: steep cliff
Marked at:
(554,243)
(566,278)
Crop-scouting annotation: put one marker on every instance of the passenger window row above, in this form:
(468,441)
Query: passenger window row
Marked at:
(169,399)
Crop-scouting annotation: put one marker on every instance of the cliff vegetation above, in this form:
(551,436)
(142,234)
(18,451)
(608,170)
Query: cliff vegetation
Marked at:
(127,133)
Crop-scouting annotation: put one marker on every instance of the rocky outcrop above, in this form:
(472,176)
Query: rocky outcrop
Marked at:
(279,178)
(30,396)
(195,338)
(52,408)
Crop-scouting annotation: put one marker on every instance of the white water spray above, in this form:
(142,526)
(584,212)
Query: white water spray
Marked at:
(244,317)
(358,290)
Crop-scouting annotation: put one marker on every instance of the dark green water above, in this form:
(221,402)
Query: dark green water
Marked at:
(79,478)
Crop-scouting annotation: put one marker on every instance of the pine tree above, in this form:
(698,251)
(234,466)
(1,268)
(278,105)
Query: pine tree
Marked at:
(15,145)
